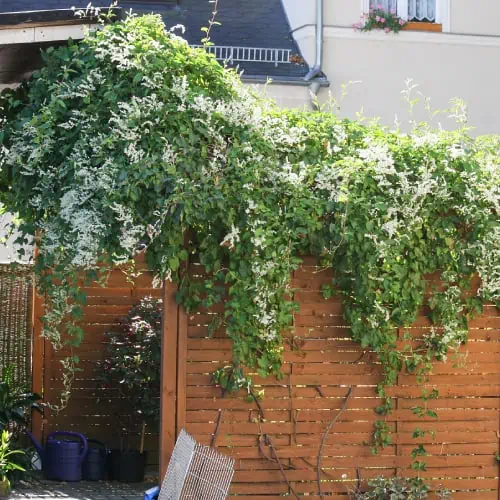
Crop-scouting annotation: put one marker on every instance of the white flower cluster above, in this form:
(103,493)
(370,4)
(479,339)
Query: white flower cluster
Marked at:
(289,174)
(488,267)
(332,180)
(180,88)
(283,136)
(231,238)
(267,314)
(81,88)
(132,234)
(380,155)
(119,51)
(456,151)
(489,185)
(427,138)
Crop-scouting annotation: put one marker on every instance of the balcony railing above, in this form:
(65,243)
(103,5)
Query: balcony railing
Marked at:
(248,54)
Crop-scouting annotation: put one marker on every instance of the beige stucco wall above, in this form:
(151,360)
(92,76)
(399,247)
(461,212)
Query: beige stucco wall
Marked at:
(336,12)
(286,96)
(341,12)
(479,17)
(444,67)
(464,63)
(299,12)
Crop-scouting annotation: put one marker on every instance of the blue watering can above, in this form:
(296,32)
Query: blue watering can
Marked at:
(152,493)
(95,464)
(62,458)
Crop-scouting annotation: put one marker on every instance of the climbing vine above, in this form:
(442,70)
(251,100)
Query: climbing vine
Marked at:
(131,142)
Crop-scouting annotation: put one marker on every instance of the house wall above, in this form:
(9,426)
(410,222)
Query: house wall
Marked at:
(479,17)
(286,96)
(444,65)
(342,12)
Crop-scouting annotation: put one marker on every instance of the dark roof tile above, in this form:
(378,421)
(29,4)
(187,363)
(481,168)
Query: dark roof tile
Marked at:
(256,23)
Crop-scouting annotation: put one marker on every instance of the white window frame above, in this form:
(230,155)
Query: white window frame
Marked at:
(442,11)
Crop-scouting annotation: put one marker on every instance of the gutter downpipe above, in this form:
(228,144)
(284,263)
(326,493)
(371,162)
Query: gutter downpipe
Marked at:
(316,70)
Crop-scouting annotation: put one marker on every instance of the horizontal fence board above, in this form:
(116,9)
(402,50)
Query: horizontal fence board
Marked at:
(94,410)
(321,363)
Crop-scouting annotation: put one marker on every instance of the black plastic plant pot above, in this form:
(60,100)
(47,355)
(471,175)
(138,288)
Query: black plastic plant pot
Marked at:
(127,466)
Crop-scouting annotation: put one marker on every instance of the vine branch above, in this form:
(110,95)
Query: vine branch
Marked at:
(325,435)
(268,442)
(217,427)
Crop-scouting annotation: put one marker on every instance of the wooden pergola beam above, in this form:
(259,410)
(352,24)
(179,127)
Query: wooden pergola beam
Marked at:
(51,17)
(23,34)
(36,33)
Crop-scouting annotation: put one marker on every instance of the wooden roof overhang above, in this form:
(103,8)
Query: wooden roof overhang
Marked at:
(24,34)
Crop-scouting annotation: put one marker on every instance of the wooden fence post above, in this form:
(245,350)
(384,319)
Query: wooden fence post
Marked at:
(181,369)
(168,399)
(38,360)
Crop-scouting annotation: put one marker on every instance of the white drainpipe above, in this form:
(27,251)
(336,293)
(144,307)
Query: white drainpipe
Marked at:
(316,70)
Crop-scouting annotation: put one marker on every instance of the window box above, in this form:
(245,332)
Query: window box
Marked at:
(416,12)
(423,26)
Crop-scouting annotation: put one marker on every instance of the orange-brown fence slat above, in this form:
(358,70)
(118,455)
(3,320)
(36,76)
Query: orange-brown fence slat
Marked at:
(320,364)
(94,410)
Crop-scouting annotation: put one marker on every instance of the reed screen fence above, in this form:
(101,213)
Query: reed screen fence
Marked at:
(15,321)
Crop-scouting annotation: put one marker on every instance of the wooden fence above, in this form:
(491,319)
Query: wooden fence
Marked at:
(97,412)
(321,366)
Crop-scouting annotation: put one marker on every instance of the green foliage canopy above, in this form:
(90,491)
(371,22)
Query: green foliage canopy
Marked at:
(130,140)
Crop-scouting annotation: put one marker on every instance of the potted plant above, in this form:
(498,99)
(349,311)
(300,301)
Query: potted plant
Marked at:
(7,462)
(379,18)
(15,402)
(132,364)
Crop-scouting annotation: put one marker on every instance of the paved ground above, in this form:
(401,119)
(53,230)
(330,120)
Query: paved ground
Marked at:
(80,491)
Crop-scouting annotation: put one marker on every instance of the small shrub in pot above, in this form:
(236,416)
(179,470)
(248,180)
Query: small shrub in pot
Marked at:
(132,365)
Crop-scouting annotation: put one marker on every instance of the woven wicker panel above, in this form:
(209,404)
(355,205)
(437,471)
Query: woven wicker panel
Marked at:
(15,321)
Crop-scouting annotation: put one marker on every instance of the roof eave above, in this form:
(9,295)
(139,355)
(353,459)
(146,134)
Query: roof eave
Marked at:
(50,17)
(283,80)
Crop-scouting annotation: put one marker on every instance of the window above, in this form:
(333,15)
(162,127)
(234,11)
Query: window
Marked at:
(420,13)
(422,10)
(412,10)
